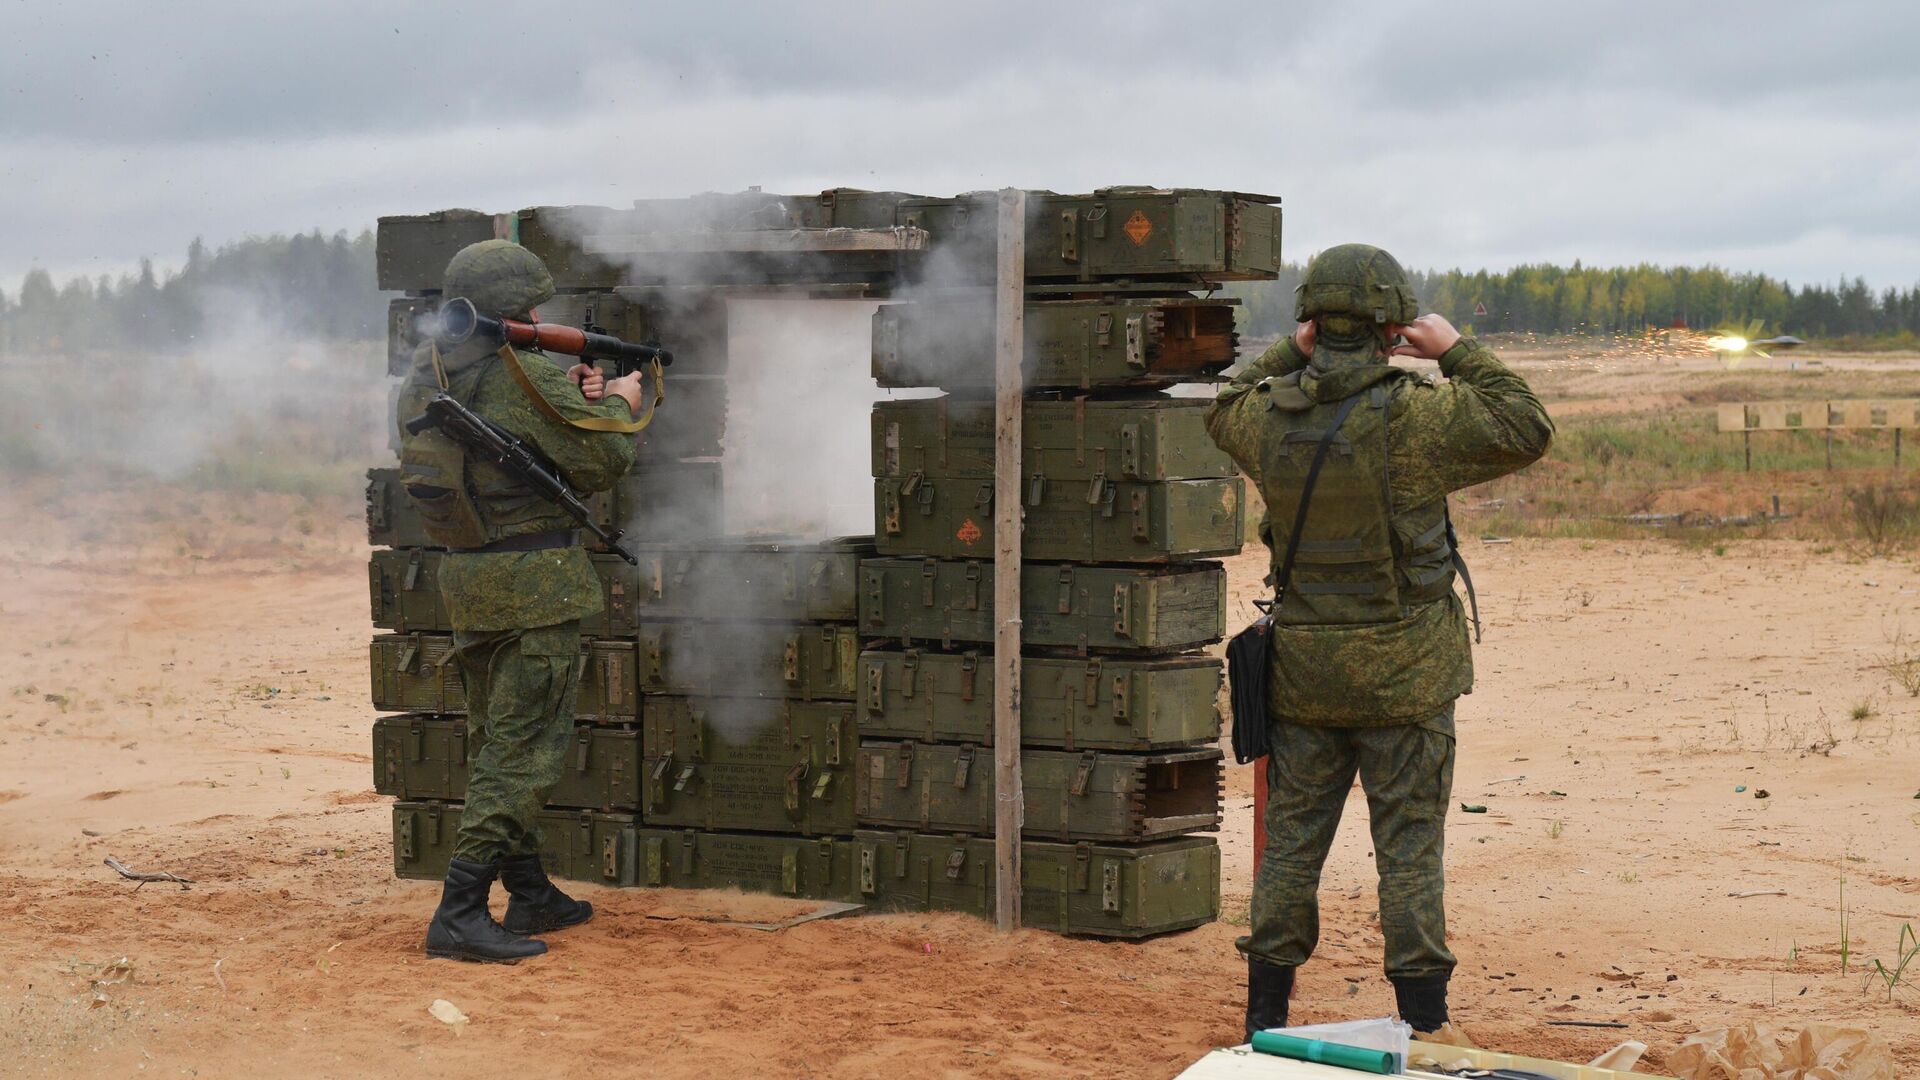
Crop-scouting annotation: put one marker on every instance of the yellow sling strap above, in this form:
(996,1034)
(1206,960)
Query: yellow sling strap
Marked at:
(591,423)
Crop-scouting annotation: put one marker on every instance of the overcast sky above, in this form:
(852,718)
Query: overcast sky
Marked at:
(1774,136)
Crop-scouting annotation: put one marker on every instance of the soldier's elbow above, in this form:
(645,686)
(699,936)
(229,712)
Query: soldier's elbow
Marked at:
(606,473)
(1540,438)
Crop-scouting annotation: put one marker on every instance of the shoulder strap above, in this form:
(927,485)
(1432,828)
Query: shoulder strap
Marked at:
(1460,565)
(1306,496)
(592,423)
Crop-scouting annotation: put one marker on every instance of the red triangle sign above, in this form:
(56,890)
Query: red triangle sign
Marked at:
(1479,308)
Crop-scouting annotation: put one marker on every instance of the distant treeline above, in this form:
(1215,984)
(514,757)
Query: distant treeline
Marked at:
(322,287)
(309,284)
(1544,299)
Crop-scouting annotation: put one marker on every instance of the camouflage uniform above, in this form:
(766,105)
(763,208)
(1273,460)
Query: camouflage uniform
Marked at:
(516,614)
(1370,644)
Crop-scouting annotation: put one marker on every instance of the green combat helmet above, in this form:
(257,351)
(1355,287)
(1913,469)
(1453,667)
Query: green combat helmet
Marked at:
(500,277)
(1353,292)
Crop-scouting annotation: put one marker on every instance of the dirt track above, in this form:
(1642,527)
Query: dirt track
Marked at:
(199,708)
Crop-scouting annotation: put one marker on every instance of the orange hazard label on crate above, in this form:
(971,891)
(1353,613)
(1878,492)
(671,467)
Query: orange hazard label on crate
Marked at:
(969,533)
(1138,228)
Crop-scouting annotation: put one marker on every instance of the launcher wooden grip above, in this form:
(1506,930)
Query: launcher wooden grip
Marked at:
(549,336)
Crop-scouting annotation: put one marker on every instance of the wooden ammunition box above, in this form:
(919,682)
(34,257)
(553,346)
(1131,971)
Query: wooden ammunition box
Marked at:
(1148,608)
(732,580)
(1079,441)
(742,763)
(816,868)
(425,757)
(1145,342)
(1091,795)
(1101,890)
(1101,703)
(414,673)
(581,845)
(1080,521)
(742,659)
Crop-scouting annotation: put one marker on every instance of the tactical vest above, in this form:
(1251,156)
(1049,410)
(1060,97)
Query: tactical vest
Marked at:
(462,503)
(1372,582)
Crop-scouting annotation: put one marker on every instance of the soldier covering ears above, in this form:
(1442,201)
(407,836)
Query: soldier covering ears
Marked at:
(1368,643)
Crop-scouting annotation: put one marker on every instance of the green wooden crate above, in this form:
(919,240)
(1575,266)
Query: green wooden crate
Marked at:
(755,580)
(391,519)
(741,659)
(1144,342)
(410,251)
(425,757)
(1102,521)
(1101,890)
(810,868)
(404,589)
(1145,608)
(580,845)
(1132,233)
(414,672)
(749,763)
(1091,795)
(1101,703)
(1157,438)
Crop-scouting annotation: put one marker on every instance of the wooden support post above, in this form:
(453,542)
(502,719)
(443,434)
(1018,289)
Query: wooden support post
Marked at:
(1896,448)
(1829,449)
(1009,303)
(1746,439)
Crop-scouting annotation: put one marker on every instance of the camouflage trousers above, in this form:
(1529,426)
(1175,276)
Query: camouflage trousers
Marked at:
(1407,773)
(521,689)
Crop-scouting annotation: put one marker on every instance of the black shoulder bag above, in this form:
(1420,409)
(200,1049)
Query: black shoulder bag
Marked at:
(1250,650)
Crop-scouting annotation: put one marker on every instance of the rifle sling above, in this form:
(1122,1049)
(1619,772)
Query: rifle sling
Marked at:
(590,423)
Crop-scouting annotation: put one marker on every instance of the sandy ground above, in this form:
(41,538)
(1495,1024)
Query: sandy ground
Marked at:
(195,702)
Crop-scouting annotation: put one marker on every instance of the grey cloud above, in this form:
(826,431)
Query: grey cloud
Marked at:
(1765,136)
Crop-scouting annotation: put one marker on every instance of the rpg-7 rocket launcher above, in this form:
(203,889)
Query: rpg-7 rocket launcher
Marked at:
(457,321)
(484,440)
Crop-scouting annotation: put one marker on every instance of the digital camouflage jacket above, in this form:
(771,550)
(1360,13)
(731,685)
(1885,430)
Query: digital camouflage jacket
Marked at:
(1371,631)
(505,590)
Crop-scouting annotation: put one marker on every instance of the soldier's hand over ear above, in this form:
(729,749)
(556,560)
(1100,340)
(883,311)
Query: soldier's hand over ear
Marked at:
(592,384)
(1427,337)
(1304,335)
(628,386)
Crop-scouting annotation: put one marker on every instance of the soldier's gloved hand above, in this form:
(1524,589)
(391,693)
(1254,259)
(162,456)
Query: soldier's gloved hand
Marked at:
(592,384)
(1427,337)
(628,386)
(1304,335)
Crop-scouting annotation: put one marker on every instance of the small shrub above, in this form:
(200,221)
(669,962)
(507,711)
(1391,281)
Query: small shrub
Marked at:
(1884,516)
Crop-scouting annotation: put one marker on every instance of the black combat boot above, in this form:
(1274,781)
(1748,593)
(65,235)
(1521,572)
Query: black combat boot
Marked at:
(463,928)
(534,906)
(1268,988)
(1422,1001)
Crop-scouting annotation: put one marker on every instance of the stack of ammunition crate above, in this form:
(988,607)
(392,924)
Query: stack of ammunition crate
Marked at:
(1122,494)
(815,719)
(716,706)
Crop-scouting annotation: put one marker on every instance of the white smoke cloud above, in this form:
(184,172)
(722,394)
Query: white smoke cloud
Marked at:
(250,404)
